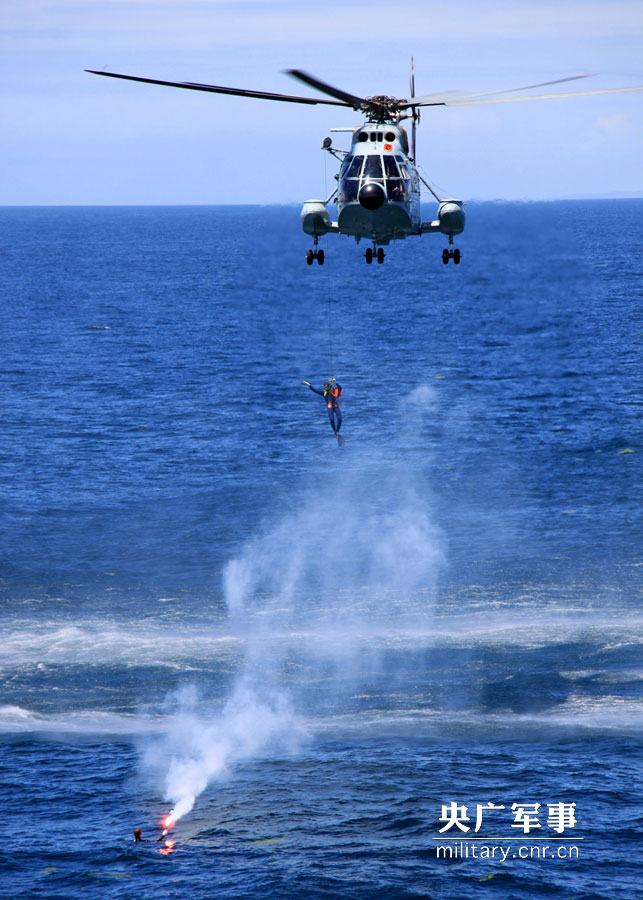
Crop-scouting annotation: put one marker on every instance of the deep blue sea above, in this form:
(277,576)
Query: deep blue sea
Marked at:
(409,667)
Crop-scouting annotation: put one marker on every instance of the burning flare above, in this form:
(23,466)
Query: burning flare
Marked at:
(167,847)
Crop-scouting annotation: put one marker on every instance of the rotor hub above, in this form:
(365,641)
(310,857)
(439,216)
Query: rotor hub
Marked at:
(381,108)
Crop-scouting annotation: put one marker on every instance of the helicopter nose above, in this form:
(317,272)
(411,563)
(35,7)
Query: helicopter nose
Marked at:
(371,195)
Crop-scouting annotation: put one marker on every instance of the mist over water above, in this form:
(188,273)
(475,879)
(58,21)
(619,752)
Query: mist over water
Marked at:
(351,567)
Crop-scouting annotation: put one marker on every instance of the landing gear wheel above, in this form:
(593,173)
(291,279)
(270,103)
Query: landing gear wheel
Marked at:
(369,255)
(445,256)
(320,257)
(456,255)
(380,255)
(310,257)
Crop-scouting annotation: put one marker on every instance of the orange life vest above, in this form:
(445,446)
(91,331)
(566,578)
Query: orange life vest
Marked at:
(335,393)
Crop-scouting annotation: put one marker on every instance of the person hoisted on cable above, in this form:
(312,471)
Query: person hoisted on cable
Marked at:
(331,393)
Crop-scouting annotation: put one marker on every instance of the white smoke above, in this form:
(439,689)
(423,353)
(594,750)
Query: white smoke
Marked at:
(202,749)
(354,554)
(357,557)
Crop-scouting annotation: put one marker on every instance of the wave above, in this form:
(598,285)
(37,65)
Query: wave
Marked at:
(95,643)
(578,717)
(17,720)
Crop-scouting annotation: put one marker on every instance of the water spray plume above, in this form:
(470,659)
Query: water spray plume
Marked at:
(357,562)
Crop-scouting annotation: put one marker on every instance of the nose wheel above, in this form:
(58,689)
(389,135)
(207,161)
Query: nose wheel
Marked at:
(451,253)
(374,252)
(315,254)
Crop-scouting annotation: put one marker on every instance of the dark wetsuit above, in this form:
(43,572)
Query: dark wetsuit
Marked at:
(334,412)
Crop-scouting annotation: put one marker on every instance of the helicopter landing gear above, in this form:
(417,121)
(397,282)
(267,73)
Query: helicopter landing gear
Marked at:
(374,252)
(451,253)
(315,254)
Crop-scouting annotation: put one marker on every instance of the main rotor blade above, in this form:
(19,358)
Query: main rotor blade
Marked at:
(433,99)
(461,98)
(348,99)
(541,96)
(217,89)
(529,87)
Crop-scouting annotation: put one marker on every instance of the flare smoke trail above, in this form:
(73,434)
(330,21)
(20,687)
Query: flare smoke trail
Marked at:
(355,561)
(251,724)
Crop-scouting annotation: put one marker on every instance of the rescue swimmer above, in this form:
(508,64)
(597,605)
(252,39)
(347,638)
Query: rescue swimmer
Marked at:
(331,393)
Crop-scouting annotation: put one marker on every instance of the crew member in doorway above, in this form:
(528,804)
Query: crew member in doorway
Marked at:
(331,394)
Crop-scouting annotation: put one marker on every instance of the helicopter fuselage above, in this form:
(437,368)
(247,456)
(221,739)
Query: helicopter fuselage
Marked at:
(378,192)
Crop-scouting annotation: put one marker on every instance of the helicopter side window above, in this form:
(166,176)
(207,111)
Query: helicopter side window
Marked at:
(403,167)
(345,164)
(348,190)
(395,189)
(354,167)
(373,167)
(390,167)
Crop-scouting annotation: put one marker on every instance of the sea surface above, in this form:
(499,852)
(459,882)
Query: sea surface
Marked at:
(356,672)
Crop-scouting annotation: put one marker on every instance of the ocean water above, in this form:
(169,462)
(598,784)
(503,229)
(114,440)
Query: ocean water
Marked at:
(328,662)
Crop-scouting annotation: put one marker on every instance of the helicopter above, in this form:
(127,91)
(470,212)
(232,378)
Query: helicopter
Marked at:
(378,184)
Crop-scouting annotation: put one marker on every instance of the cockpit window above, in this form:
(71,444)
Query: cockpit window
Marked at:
(395,189)
(390,167)
(373,167)
(354,167)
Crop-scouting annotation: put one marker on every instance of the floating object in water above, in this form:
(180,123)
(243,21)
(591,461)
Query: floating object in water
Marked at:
(627,450)
(270,841)
(109,875)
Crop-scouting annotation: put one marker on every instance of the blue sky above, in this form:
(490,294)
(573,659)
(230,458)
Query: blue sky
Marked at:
(74,138)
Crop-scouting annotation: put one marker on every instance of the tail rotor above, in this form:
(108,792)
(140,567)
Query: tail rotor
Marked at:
(416,111)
